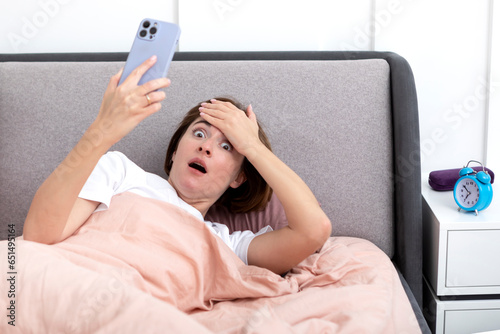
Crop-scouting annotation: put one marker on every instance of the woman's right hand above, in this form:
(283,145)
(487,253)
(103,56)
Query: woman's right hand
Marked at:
(125,106)
(56,211)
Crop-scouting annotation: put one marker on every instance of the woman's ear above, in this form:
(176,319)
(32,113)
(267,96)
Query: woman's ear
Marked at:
(239,180)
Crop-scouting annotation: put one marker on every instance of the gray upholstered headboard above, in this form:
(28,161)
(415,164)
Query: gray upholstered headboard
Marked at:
(346,122)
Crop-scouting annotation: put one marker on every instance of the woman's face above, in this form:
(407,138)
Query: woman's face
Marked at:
(204,165)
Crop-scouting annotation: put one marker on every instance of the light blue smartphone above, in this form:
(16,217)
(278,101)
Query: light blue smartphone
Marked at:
(153,37)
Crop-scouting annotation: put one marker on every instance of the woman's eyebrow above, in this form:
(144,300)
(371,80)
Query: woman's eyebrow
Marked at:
(204,122)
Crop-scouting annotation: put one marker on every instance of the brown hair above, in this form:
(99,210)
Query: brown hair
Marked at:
(254,193)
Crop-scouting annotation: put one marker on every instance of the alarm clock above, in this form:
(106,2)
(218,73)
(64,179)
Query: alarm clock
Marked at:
(473,191)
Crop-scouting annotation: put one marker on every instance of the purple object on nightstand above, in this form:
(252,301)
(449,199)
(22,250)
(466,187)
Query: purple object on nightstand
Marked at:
(444,180)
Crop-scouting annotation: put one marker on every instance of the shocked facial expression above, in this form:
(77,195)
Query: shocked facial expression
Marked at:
(205,165)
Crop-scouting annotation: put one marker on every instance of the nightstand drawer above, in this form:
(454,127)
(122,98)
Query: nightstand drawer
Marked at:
(472,258)
(471,321)
(460,316)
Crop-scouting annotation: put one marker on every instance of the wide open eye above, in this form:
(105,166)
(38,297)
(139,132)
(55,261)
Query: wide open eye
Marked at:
(226,146)
(199,133)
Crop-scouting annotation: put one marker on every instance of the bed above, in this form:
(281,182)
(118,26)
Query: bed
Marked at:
(346,122)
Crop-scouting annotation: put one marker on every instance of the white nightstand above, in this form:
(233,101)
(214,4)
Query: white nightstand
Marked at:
(461,264)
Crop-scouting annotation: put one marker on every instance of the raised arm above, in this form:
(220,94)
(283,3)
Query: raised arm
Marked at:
(56,212)
(308,228)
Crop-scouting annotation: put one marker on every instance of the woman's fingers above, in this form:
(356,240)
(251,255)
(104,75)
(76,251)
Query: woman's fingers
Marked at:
(148,95)
(138,72)
(251,114)
(152,101)
(155,84)
(221,109)
(226,110)
(135,76)
(241,130)
(116,78)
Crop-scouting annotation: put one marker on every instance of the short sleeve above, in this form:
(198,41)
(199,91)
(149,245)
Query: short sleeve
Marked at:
(238,241)
(105,179)
(241,240)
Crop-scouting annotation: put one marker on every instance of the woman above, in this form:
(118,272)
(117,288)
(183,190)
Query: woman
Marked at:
(205,162)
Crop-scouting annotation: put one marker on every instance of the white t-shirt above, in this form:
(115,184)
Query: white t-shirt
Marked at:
(115,174)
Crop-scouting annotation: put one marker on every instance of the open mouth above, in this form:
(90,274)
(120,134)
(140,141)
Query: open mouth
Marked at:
(198,166)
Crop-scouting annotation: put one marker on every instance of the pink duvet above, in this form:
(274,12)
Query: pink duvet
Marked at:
(145,266)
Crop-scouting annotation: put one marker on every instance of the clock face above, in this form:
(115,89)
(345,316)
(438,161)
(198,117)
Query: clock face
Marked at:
(467,193)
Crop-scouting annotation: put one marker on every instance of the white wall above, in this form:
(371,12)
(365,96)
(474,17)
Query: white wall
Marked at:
(493,142)
(30,26)
(448,44)
(229,25)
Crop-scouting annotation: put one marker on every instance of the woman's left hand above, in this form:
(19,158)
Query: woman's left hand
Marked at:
(239,127)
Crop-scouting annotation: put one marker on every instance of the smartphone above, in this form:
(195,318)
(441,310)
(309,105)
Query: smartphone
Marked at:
(153,37)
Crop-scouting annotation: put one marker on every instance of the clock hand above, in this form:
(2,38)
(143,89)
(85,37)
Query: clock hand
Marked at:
(468,192)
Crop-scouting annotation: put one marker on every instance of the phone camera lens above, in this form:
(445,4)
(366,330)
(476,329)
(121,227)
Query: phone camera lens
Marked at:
(146,24)
(143,33)
(153,30)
